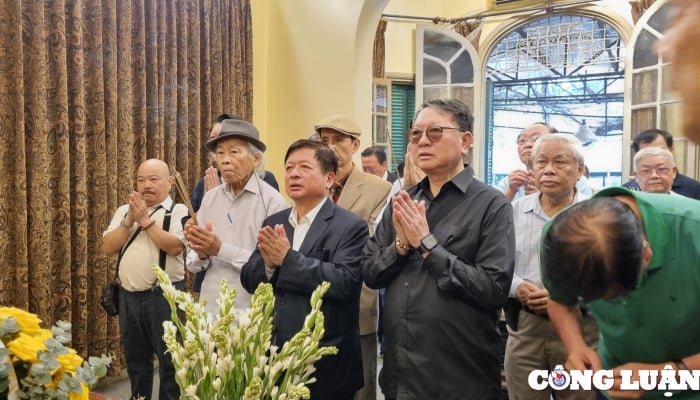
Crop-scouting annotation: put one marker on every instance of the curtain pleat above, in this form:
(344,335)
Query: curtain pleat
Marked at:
(88,90)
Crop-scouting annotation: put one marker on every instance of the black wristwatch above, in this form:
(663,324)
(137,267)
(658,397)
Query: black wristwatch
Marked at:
(427,243)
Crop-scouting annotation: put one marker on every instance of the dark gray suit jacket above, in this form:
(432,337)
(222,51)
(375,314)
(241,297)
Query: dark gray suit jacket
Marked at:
(331,251)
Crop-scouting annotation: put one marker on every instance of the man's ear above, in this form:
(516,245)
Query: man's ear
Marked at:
(355,144)
(330,179)
(467,140)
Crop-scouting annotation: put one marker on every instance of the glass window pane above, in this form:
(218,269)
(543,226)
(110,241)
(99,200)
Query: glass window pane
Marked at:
(659,21)
(643,119)
(380,98)
(465,94)
(644,53)
(440,46)
(666,92)
(439,92)
(670,118)
(433,73)
(644,87)
(462,69)
(380,129)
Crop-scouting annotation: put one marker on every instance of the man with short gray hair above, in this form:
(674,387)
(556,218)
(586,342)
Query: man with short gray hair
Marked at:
(533,343)
(655,170)
(231,214)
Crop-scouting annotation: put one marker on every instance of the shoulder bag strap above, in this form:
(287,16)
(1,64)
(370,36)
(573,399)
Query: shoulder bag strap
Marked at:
(166,227)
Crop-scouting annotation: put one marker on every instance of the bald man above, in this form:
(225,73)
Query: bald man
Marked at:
(146,231)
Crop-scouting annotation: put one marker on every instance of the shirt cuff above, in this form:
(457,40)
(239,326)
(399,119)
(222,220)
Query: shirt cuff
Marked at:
(269,272)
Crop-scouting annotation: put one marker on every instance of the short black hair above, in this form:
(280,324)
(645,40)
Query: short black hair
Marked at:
(375,151)
(593,247)
(324,154)
(399,168)
(649,136)
(460,112)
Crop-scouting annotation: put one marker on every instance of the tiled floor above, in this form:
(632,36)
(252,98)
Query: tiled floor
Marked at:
(117,388)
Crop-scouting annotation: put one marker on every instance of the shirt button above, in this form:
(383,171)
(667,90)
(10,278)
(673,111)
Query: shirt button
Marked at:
(405,284)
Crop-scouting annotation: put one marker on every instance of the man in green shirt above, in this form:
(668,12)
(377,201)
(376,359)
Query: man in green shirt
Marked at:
(635,258)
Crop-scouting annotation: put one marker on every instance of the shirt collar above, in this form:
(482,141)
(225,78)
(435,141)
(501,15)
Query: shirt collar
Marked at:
(253,186)
(166,204)
(309,217)
(461,181)
(531,202)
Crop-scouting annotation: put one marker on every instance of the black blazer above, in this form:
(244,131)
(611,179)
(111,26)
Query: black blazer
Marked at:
(331,251)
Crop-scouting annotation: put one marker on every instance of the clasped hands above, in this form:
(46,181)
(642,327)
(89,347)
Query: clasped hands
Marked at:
(273,245)
(520,177)
(138,210)
(202,239)
(409,220)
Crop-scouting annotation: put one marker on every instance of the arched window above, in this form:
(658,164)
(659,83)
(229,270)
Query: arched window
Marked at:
(652,103)
(566,70)
(445,68)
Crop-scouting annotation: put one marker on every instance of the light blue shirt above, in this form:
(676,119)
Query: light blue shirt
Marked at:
(529,218)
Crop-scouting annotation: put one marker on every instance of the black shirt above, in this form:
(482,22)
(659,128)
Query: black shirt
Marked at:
(441,313)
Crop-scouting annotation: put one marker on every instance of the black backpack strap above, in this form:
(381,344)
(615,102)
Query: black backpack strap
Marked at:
(166,227)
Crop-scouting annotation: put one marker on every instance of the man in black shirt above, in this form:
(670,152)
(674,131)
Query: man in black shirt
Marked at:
(445,252)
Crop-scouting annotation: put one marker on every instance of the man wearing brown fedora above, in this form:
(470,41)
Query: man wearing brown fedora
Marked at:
(231,214)
(365,195)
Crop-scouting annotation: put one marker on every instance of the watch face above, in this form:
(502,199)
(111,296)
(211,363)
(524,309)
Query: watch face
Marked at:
(429,242)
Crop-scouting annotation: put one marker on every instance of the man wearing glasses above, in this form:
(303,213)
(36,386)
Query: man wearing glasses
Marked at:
(521,182)
(444,252)
(654,170)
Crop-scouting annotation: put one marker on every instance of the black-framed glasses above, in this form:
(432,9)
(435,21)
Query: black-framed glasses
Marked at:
(433,132)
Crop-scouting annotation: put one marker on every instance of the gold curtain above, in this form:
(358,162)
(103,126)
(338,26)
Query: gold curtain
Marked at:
(378,55)
(470,30)
(639,7)
(88,90)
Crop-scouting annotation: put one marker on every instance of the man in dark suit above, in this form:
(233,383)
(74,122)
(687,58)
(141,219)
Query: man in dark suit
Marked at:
(682,184)
(374,162)
(301,247)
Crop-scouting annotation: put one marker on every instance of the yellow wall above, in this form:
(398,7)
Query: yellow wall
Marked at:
(313,58)
(310,59)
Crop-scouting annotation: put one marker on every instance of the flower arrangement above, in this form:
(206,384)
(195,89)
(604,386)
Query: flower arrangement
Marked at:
(36,364)
(232,357)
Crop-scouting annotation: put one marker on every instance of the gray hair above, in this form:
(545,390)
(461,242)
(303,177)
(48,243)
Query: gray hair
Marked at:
(653,152)
(256,152)
(568,140)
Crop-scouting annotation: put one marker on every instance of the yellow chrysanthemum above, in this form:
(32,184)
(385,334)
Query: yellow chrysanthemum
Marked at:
(28,322)
(83,395)
(25,347)
(70,362)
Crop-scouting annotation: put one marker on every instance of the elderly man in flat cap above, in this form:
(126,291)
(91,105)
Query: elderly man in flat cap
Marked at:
(232,213)
(365,195)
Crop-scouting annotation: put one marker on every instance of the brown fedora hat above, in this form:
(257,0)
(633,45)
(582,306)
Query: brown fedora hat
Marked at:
(236,128)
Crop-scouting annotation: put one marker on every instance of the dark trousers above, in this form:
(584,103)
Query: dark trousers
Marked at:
(141,316)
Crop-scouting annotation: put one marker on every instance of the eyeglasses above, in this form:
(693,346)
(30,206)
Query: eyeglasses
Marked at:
(523,141)
(660,171)
(434,133)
